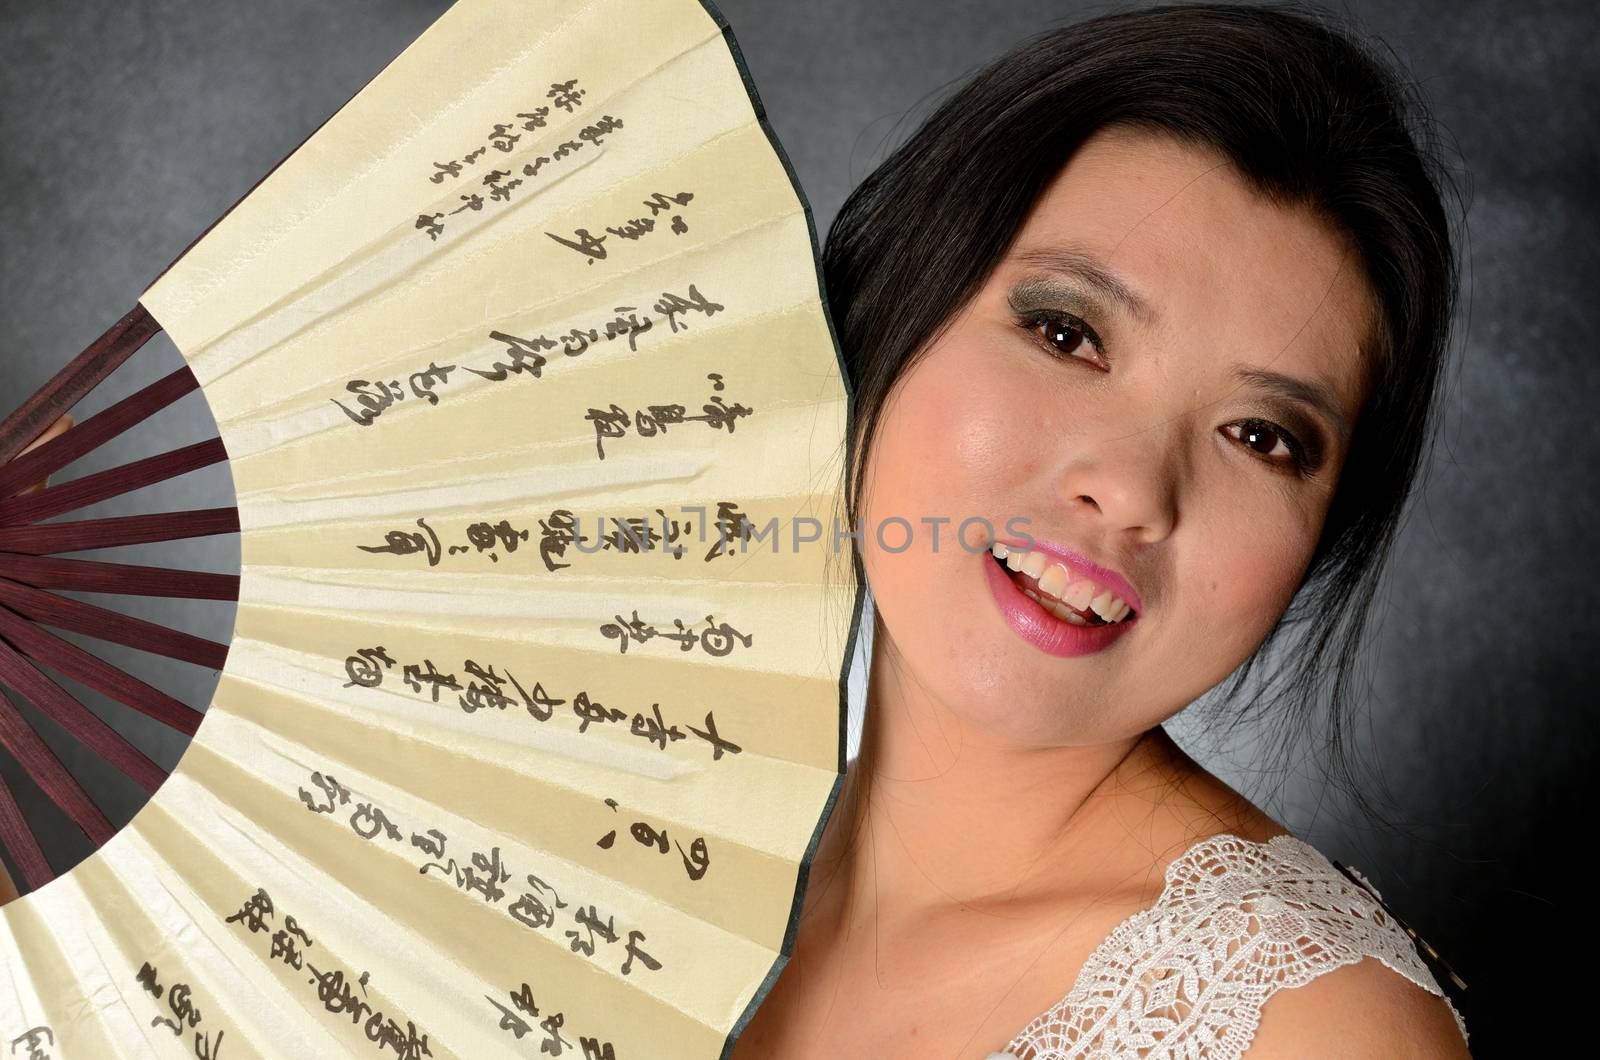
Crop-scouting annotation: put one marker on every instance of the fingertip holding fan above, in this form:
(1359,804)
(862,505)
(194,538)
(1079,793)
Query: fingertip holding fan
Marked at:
(520,738)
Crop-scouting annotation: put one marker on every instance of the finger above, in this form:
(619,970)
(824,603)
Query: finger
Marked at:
(59,427)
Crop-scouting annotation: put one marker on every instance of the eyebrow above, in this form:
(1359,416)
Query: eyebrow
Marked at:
(1086,268)
(1313,393)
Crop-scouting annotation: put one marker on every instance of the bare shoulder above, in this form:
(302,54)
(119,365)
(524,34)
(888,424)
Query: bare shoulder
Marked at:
(1359,1010)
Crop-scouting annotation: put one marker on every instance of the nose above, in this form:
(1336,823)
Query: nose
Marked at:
(1125,482)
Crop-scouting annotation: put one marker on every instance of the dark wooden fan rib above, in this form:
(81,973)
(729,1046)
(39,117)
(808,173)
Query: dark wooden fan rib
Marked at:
(85,372)
(106,424)
(80,721)
(29,748)
(41,763)
(72,661)
(113,626)
(118,530)
(93,576)
(112,482)
(18,837)
(29,568)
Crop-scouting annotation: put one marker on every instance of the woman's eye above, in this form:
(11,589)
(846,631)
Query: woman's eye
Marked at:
(1062,334)
(1267,439)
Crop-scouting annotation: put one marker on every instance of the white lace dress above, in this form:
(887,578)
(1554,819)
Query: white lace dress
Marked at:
(1236,922)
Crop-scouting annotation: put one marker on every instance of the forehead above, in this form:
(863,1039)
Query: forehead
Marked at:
(1224,270)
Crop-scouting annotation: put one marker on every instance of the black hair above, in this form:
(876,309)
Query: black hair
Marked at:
(1311,116)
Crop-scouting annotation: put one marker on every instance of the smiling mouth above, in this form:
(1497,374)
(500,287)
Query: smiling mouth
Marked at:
(1058,608)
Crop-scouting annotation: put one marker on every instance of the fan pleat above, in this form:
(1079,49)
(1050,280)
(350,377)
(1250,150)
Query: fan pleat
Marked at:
(101,929)
(235,800)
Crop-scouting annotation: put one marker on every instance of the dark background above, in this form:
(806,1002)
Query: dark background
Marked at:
(127,127)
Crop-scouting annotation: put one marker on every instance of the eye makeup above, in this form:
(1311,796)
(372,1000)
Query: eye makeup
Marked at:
(1035,301)
(1032,295)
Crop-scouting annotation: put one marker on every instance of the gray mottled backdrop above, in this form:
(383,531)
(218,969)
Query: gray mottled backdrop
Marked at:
(129,126)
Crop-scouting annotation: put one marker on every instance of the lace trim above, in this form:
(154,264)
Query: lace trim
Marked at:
(1236,922)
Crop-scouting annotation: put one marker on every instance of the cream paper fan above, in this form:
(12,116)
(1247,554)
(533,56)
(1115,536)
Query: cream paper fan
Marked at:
(533,708)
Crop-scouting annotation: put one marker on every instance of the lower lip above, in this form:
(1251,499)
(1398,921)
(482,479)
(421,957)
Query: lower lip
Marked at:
(1051,635)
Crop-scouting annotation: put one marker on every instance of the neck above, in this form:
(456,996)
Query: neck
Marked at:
(936,815)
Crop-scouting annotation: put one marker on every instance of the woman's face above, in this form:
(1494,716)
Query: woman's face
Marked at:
(1141,438)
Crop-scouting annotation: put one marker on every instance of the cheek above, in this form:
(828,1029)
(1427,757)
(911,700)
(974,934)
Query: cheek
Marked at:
(954,444)
(945,449)
(1254,562)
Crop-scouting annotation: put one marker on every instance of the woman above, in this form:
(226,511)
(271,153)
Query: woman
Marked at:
(1162,298)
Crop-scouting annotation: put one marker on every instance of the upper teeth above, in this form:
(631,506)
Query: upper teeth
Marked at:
(1056,581)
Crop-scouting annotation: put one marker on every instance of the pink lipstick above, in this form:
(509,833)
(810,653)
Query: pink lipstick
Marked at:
(1031,621)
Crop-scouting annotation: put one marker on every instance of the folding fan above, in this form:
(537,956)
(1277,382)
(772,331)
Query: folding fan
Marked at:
(533,709)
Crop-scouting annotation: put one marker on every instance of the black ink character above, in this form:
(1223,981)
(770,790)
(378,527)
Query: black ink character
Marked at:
(432,223)
(630,325)
(255,912)
(655,729)
(623,630)
(564,95)
(718,744)
(404,543)
(501,138)
(286,948)
(558,531)
(592,246)
(719,414)
(659,201)
(36,1040)
(337,995)
(431,847)
(672,306)
(484,692)
(574,342)
(635,229)
(422,383)
(415,678)
(531,910)
(595,133)
(373,398)
(719,639)
(732,525)
(445,169)
(336,793)
(368,820)
(593,711)
(524,353)
(612,424)
(697,860)
(362,668)
(634,951)
(147,979)
(485,536)
(589,920)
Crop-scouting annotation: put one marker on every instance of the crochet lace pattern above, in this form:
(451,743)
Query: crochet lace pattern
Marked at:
(1236,922)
